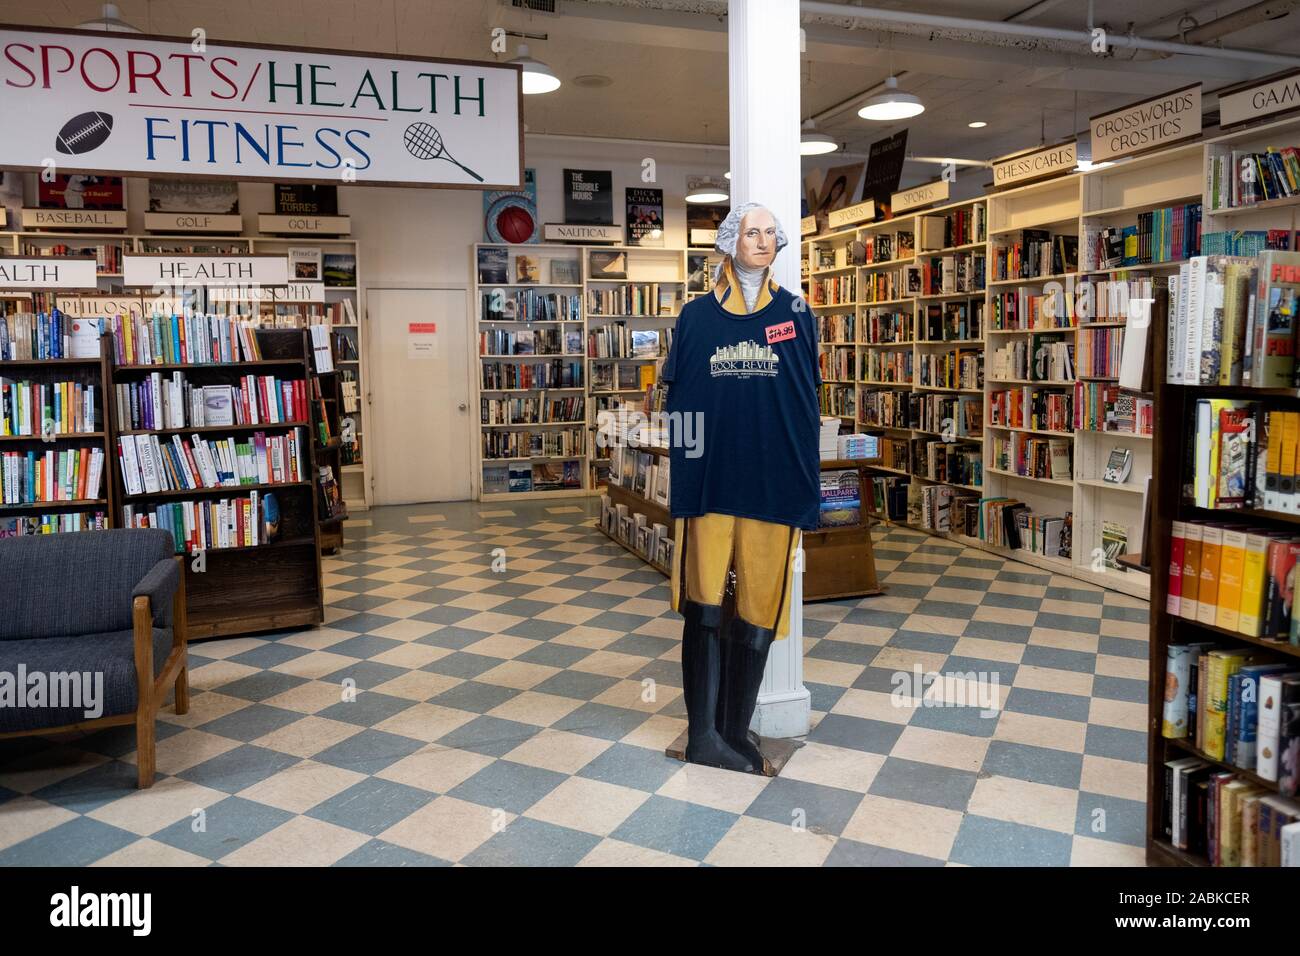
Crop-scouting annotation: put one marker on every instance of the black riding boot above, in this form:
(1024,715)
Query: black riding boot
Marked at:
(744,656)
(701,676)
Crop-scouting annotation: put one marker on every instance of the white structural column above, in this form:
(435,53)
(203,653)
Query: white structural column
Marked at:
(763,62)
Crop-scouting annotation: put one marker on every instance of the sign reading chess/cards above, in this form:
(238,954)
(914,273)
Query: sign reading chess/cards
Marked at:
(1033,164)
(42,272)
(1160,121)
(122,103)
(150,271)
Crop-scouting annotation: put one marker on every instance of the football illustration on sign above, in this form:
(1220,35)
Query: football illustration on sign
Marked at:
(83,132)
(424,142)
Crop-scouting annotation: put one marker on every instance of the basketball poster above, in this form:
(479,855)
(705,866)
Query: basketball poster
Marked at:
(510,215)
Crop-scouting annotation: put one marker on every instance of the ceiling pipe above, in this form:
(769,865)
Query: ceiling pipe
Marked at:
(1241,20)
(963,28)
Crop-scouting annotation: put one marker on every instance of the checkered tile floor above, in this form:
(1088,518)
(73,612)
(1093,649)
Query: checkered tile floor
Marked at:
(451,714)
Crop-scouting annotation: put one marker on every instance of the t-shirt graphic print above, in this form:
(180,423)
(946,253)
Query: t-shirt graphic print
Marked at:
(749,384)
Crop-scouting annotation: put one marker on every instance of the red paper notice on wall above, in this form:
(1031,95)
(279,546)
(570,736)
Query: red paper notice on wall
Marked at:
(421,328)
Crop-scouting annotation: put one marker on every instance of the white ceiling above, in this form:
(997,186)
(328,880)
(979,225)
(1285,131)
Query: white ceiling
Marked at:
(667,60)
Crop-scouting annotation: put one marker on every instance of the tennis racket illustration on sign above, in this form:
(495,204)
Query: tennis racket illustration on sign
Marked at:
(424,142)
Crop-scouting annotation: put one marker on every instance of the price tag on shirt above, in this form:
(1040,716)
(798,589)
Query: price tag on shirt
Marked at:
(780,333)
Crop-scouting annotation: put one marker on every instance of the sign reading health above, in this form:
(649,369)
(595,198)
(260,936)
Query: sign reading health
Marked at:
(123,103)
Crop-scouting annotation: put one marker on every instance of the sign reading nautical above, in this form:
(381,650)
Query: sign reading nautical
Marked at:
(152,105)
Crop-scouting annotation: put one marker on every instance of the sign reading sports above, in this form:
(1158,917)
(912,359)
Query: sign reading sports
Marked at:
(120,103)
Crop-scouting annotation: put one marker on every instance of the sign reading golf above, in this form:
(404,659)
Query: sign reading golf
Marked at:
(117,103)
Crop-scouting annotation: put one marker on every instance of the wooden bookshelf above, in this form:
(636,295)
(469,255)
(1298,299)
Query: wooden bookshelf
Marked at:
(328,454)
(656,512)
(1167,506)
(246,589)
(87,372)
(355,471)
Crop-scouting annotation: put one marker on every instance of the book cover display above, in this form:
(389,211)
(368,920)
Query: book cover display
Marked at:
(81,192)
(510,215)
(213,197)
(645,217)
(589,197)
(302,199)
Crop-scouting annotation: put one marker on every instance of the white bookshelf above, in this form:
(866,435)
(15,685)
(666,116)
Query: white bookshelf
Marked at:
(559,273)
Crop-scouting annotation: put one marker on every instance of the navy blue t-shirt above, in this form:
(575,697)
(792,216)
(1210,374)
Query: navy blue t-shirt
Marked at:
(754,380)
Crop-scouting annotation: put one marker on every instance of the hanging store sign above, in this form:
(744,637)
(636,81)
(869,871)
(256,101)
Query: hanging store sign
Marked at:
(126,103)
(294,292)
(1151,124)
(304,225)
(1273,96)
(807,226)
(149,271)
(579,232)
(170,222)
(859,212)
(918,196)
(71,218)
(42,272)
(1033,164)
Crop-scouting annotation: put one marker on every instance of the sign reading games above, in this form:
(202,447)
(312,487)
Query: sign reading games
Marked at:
(1259,99)
(1151,124)
(129,104)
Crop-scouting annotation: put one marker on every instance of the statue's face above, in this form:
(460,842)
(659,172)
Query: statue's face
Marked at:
(756,247)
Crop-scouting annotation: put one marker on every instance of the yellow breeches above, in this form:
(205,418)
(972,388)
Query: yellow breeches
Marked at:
(763,555)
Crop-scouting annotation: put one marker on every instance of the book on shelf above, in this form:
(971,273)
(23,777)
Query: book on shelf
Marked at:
(527,268)
(151,464)
(185,340)
(304,263)
(339,269)
(493,264)
(162,401)
(242,522)
(322,351)
(39,336)
(47,523)
(565,272)
(67,407)
(1238,178)
(35,477)
(607,264)
(840,499)
(1232,320)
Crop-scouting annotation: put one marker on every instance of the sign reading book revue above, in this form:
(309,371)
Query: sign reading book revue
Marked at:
(124,103)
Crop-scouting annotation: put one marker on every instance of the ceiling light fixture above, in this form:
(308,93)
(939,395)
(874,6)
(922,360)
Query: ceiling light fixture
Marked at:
(706,189)
(977,124)
(109,21)
(892,104)
(538,77)
(1086,165)
(813,143)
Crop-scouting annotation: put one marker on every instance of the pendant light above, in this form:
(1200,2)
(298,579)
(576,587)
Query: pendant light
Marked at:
(706,189)
(892,104)
(109,21)
(538,77)
(813,143)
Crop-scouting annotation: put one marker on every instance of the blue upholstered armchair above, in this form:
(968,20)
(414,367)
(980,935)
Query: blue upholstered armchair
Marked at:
(92,632)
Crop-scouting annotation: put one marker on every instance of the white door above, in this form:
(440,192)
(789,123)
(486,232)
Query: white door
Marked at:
(420,389)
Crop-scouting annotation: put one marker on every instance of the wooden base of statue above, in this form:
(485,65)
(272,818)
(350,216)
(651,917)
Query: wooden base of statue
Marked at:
(776,752)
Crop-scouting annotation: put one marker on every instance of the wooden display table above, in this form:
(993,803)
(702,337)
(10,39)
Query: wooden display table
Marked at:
(838,562)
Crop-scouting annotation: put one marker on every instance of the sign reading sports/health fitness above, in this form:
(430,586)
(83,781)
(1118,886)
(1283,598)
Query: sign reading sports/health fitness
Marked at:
(123,103)
(1151,124)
